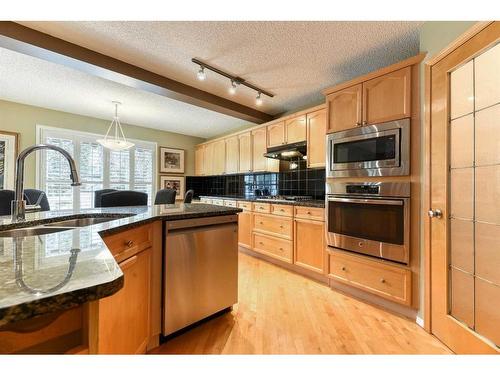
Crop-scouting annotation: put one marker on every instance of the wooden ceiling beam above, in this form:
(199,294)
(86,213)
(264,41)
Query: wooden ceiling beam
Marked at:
(19,38)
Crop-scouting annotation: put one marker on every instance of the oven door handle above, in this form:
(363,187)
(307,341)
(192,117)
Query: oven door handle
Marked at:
(384,202)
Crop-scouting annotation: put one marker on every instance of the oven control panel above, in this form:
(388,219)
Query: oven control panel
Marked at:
(363,189)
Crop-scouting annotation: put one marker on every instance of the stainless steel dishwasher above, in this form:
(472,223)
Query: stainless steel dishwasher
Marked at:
(200,271)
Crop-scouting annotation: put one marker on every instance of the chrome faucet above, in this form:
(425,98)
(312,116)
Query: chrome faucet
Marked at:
(18,206)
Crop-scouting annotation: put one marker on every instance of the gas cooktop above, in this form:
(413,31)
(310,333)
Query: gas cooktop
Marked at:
(285,198)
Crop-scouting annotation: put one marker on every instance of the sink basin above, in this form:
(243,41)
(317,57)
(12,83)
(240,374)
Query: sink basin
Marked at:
(32,231)
(83,222)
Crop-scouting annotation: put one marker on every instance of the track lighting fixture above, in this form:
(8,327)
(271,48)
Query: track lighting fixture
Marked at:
(235,81)
(201,73)
(258,99)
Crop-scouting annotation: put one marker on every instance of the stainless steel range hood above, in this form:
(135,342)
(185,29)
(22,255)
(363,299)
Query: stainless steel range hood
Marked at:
(292,151)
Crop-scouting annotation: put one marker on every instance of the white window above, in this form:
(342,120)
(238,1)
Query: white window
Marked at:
(99,168)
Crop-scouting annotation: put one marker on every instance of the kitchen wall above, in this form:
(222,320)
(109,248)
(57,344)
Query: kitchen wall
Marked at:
(434,36)
(23,119)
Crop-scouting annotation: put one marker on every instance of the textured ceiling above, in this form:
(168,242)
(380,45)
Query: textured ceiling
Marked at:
(294,60)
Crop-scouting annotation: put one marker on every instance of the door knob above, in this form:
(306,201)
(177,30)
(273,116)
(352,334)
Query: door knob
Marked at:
(437,213)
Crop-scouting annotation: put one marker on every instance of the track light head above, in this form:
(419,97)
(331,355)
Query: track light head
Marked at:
(258,99)
(232,89)
(201,73)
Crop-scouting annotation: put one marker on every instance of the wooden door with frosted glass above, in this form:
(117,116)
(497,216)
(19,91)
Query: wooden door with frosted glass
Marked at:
(465,194)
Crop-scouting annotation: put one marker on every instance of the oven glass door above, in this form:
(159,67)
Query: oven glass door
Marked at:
(369,219)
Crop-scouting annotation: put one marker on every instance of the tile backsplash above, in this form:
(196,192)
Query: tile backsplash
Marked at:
(300,181)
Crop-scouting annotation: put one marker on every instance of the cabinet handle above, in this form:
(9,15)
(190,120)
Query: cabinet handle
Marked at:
(343,268)
(382,281)
(281,226)
(261,243)
(129,243)
(261,222)
(281,249)
(282,210)
(309,212)
(365,122)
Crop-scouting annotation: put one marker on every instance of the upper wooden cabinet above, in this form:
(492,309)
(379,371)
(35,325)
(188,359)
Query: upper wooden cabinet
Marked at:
(387,97)
(316,131)
(344,109)
(276,134)
(259,148)
(245,150)
(219,157)
(232,154)
(295,129)
(208,156)
(199,156)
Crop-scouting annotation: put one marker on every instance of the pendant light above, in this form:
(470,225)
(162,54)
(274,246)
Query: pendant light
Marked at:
(118,142)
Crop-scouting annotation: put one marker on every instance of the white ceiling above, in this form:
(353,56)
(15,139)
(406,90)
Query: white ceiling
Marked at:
(294,60)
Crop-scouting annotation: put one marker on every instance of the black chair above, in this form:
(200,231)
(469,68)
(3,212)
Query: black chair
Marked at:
(165,196)
(37,197)
(6,198)
(122,198)
(189,196)
(98,194)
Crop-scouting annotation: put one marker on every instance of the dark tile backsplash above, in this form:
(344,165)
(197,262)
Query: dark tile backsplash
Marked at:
(300,181)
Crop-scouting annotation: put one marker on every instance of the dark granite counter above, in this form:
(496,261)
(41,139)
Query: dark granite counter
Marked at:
(307,203)
(56,271)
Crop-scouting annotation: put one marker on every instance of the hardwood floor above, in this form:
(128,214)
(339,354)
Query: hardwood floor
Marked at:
(280,312)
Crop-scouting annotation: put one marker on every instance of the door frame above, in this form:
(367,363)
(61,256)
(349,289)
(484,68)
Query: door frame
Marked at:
(473,31)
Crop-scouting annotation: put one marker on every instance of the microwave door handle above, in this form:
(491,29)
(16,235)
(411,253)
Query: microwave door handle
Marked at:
(384,202)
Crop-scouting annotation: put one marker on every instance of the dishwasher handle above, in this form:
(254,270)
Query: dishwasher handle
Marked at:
(201,222)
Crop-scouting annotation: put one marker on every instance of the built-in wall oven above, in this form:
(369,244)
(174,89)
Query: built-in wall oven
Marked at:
(372,150)
(370,218)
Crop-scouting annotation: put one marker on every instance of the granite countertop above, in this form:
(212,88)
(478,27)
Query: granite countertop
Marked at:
(53,272)
(307,203)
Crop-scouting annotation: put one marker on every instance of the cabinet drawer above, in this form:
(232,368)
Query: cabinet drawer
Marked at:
(245,206)
(230,203)
(206,200)
(312,213)
(282,210)
(218,202)
(274,247)
(385,280)
(262,207)
(274,225)
(129,242)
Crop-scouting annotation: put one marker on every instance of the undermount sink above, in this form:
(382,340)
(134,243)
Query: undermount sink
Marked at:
(32,231)
(84,222)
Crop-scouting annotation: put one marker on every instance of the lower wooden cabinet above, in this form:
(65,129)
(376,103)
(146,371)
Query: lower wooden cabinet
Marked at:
(273,246)
(123,325)
(245,226)
(309,244)
(377,277)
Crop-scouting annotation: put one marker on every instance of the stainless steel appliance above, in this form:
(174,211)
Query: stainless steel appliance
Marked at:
(200,271)
(288,152)
(372,150)
(370,218)
(284,198)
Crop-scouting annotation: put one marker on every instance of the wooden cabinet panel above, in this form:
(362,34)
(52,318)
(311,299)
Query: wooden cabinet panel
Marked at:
(262,207)
(309,244)
(219,158)
(245,206)
(229,203)
(199,154)
(218,202)
(208,158)
(124,317)
(387,97)
(245,145)
(282,210)
(344,109)
(316,138)
(259,148)
(310,213)
(272,246)
(295,129)
(391,282)
(232,154)
(125,244)
(273,225)
(245,227)
(276,134)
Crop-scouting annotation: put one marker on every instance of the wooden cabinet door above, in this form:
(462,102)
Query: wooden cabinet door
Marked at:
(309,244)
(232,154)
(199,154)
(208,159)
(295,129)
(387,97)
(124,317)
(316,138)
(245,226)
(219,157)
(259,149)
(276,134)
(245,146)
(344,109)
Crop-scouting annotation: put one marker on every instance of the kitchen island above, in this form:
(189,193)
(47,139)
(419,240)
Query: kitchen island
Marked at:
(56,262)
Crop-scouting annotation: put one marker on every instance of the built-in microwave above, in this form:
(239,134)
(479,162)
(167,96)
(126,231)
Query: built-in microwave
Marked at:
(371,150)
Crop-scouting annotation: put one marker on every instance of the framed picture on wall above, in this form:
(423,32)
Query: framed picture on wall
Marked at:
(177,183)
(171,160)
(8,153)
